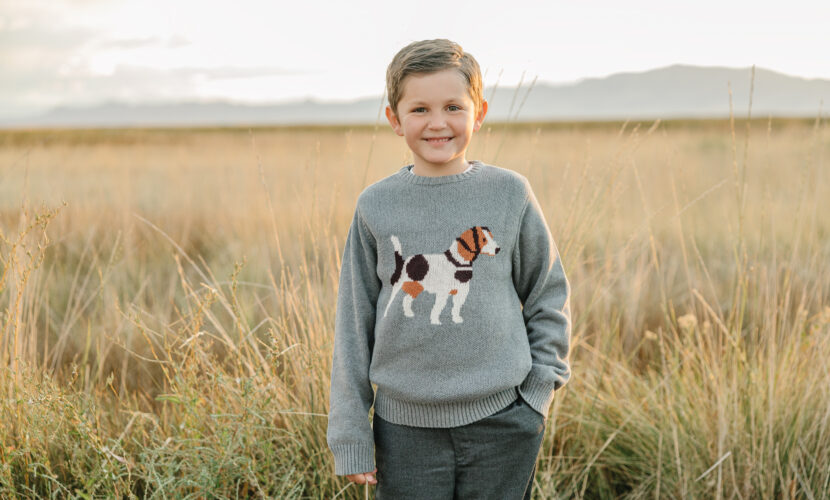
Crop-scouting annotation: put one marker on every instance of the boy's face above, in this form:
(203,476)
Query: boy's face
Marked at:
(437,117)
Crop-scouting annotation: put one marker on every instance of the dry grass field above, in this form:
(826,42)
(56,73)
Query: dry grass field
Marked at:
(167,304)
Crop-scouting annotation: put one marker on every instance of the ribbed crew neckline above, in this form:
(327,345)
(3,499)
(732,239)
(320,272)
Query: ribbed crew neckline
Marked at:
(405,175)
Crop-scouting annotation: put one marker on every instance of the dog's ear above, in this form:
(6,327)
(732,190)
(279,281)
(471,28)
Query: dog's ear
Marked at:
(468,244)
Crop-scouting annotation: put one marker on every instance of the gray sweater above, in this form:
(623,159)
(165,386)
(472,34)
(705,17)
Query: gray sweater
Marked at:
(451,296)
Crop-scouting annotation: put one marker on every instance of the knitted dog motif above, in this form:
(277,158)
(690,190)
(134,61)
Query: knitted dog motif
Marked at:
(443,274)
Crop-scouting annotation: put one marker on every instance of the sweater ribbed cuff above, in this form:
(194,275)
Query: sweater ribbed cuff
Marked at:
(537,393)
(353,459)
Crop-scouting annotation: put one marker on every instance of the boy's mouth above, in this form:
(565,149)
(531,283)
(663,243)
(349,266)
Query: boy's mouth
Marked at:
(437,140)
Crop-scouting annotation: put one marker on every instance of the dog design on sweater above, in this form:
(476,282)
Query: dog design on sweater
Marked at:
(443,274)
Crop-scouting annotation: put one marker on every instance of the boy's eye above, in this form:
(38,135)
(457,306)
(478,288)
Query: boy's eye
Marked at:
(453,107)
(419,110)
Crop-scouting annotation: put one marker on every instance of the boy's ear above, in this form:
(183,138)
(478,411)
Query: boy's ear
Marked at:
(393,120)
(480,116)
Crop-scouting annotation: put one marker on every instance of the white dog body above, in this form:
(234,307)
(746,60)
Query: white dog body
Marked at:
(442,274)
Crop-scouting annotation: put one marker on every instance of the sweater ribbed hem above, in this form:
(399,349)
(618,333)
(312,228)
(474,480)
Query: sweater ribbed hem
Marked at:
(452,414)
(353,458)
(537,393)
(405,175)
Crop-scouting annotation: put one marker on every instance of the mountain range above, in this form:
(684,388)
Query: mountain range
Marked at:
(678,91)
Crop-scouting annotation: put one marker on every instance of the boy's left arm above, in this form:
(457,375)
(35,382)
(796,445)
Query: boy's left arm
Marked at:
(544,291)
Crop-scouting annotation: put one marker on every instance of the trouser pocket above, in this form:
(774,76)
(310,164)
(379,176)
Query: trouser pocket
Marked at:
(526,405)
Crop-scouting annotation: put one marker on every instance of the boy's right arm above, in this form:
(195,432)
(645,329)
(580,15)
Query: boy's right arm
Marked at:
(349,434)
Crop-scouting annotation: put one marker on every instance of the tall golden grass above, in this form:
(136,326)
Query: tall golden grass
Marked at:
(168,299)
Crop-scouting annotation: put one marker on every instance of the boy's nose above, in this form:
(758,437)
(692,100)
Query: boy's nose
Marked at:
(438,122)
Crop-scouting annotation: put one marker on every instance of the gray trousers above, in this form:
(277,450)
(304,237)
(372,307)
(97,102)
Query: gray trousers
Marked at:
(492,458)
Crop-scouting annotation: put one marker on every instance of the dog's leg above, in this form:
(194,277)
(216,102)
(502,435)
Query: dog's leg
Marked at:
(440,302)
(407,305)
(458,300)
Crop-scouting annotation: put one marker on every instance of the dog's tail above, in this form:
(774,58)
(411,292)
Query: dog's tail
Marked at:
(398,260)
(397,244)
(396,276)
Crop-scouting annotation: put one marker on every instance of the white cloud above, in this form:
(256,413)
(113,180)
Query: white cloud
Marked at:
(171,42)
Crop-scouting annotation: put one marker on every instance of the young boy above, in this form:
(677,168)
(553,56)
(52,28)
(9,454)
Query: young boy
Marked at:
(452,301)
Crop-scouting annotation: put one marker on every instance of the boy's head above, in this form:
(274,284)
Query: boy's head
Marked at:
(436,103)
(429,56)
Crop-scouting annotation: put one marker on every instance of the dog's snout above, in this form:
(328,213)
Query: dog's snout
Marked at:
(497,249)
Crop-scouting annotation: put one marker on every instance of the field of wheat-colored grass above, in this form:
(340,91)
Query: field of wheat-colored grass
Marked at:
(167,303)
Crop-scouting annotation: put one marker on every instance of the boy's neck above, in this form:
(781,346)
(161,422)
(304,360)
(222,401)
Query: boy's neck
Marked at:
(456,167)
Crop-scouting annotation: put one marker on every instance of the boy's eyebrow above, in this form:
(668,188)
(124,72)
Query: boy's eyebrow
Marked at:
(451,99)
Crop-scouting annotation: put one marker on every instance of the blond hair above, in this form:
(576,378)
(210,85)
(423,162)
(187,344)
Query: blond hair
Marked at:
(429,56)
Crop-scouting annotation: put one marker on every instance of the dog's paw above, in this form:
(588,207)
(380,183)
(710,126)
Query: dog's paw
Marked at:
(458,320)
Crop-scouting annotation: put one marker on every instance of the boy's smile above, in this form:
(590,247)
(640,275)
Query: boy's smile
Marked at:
(437,117)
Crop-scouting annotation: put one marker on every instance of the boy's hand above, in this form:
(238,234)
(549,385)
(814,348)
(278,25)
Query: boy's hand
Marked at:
(364,477)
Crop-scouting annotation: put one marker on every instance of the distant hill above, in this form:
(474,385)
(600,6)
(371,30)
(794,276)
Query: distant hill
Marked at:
(677,91)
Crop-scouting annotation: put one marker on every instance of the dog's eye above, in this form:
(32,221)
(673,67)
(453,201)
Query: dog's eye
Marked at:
(484,240)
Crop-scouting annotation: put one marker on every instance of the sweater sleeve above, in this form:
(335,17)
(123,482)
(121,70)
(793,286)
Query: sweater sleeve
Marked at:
(544,291)
(349,434)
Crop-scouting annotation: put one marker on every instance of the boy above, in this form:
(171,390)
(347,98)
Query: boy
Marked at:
(452,300)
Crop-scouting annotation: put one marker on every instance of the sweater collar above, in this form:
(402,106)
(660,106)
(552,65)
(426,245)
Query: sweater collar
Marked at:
(405,175)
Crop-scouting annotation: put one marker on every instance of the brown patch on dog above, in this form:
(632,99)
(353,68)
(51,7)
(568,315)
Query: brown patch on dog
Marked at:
(453,291)
(417,267)
(468,247)
(464,275)
(412,288)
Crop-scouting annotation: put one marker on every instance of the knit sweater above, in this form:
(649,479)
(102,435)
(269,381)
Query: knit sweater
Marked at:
(451,296)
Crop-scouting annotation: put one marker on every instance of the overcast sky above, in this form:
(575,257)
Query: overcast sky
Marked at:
(71,52)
